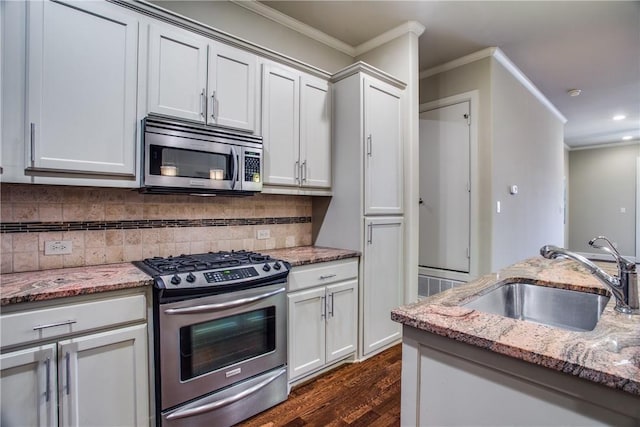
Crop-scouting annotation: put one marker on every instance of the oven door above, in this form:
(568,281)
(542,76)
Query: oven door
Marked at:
(179,162)
(212,342)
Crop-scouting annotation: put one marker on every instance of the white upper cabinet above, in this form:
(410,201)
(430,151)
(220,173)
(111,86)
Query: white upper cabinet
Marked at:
(383,171)
(296,128)
(281,125)
(177,73)
(315,132)
(81,88)
(195,78)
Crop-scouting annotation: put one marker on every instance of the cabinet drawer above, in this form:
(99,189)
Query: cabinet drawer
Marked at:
(322,273)
(46,323)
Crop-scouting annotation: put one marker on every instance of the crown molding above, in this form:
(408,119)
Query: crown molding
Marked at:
(296,25)
(407,27)
(608,145)
(363,67)
(507,64)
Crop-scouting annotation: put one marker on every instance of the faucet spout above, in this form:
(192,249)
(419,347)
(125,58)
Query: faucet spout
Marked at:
(624,287)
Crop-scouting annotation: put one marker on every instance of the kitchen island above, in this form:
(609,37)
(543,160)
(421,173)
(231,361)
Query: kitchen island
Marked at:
(466,367)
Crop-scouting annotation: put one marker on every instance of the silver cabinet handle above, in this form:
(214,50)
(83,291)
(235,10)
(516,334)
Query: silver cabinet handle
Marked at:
(331,305)
(47,390)
(202,103)
(53,325)
(369,146)
(296,171)
(224,305)
(323,307)
(190,412)
(213,105)
(32,140)
(328,276)
(67,357)
(370,238)
(303,171)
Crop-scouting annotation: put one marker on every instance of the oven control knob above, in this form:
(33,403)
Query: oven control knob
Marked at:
(276,266)
(176,279)
(266,267)
(191,278)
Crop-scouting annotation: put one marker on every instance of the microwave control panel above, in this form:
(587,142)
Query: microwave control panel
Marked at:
(252,166)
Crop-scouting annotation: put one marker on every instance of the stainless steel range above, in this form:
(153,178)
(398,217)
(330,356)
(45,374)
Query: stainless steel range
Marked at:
(220,336)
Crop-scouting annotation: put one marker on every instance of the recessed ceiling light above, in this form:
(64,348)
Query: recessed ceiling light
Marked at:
(627,137)
(619,117)
(574,92)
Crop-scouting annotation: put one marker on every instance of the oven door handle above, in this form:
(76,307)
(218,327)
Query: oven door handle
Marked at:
(224,305)
(208,407)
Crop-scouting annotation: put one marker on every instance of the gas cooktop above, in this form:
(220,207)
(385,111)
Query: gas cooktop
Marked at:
(213,269)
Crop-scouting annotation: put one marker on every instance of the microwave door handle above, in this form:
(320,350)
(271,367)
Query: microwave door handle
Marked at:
(235,173)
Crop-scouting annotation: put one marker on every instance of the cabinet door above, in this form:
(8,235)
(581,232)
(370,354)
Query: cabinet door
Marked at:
(315,133)
(383,281)
(104,379)
(306,348)
(383,152)
(280,125)
(177,73)
(232,87)
(82,75)
(28,386)
(342,319)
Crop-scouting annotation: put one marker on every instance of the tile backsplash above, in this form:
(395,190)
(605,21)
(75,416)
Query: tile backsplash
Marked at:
(109,225)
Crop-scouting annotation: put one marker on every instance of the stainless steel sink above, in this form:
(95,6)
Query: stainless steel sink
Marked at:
(561,308)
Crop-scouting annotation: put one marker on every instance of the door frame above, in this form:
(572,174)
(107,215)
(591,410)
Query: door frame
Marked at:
(637,254)
(473,97)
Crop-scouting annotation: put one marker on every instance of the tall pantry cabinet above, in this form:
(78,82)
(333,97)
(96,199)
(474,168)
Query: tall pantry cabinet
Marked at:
(366,210)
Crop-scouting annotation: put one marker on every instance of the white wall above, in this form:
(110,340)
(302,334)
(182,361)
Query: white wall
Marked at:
(528,151)
(601,182)
(399,57)
(245,24)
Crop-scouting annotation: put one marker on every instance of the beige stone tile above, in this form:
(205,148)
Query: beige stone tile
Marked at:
(50,212)
(150,250)
(95,256)
(49,262)
(6,263)
(23,212)
(114,237)
(132,237)
(95,239)
(224,245)
(133,211)
(242,232)
(25,242)
(75,259)
(6,212)
(260,245)
(75,195)
(76,237)
(270,243)
(133,252)
(182,248)
(25,261)
(199,247)
(236,245)
(6,243)
(167,249)
(114,212)
(152,211)
(5,192)
(248,244)
(50,194)
(132,196)
(114,195)
(166,235)
(22,193)
(114,254)
(47,237)
(149,236)
(183,234)
(290,241)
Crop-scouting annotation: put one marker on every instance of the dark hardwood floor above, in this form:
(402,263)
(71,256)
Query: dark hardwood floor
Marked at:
(358,394)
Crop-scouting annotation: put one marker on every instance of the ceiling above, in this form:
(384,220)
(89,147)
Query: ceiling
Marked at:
(559,45)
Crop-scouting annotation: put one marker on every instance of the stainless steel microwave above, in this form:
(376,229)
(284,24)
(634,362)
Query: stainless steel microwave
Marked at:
(181,157)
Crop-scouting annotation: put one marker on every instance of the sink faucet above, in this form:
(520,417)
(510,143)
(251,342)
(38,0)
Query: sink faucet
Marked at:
(624,286)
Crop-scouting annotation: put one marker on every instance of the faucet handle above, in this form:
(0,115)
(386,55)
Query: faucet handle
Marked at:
(611,249)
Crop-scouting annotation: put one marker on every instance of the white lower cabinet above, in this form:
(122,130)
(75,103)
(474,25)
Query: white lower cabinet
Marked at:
(322,319)
(96,379)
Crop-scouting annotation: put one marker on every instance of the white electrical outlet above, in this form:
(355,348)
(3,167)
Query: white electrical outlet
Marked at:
(58,247)
(263,234)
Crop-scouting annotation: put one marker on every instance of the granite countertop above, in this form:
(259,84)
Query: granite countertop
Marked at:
(608,355)
(67,282)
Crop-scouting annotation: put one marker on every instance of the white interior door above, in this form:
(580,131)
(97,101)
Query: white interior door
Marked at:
(445,188)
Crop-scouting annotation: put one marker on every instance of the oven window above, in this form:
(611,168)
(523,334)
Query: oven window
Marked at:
(212,345)
(168,161)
